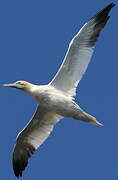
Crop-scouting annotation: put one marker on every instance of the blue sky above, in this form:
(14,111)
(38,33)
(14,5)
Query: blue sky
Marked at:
(34,36)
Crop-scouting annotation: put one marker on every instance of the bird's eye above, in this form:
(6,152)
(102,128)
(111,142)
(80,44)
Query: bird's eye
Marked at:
(19,82)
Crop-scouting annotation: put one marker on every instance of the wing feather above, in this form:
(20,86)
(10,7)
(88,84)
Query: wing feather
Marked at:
(79,53)
(31,137)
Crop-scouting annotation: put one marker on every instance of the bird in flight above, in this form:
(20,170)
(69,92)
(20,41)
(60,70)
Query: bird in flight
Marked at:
(56,99)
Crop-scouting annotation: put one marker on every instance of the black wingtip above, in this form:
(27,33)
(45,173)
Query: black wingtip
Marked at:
(99,21)
(20,158)
(111,5)
(106,9)
(19,166)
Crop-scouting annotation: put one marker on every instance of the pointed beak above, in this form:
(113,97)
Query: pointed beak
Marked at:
(97,123)
(10,85)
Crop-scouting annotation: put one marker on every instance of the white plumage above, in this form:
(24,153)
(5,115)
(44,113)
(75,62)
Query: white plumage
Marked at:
(55,100)
(76,61)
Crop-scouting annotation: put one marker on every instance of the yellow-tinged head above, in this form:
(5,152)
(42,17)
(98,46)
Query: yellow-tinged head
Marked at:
(23,85)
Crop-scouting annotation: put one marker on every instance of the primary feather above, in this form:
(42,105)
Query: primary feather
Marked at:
(79,53)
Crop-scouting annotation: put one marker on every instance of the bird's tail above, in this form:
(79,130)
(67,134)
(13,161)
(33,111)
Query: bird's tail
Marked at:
(83,116)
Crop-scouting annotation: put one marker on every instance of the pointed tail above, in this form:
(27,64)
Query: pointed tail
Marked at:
(83,116)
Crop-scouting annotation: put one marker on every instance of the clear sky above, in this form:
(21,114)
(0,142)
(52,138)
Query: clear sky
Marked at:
(34,36)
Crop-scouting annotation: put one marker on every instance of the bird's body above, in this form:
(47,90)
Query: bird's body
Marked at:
(56,100)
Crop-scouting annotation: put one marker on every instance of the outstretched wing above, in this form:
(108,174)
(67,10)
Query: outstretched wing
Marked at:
(31,137)
(79,53)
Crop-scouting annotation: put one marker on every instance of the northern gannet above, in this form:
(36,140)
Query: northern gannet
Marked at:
(55,100)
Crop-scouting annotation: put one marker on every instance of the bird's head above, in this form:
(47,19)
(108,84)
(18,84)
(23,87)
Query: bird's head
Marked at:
(22,85)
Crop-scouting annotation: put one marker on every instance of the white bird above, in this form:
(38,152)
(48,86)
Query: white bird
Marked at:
(55,100)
